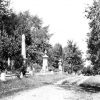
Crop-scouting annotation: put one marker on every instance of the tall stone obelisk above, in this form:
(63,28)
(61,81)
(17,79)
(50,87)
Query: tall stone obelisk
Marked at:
(23,50)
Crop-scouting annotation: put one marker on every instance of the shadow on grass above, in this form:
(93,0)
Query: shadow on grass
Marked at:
(81,88)
(91,89)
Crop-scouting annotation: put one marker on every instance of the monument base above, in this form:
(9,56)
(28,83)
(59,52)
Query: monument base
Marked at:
(60,72)
(31,73)
(44,71)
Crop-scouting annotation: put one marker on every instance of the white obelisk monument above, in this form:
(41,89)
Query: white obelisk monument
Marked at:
(23,52)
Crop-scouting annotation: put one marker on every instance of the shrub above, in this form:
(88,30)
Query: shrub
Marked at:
(18,62)
(3,65)
(88,71)
(50,68)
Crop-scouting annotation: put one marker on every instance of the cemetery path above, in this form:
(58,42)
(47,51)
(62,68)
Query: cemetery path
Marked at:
(52,92)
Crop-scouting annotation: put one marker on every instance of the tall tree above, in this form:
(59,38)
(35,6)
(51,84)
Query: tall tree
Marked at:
(13,25)
(4,6)
(39,43)
(93,14)
(72,59)
(56,54)
(37,37)
(4,13)
(10,39)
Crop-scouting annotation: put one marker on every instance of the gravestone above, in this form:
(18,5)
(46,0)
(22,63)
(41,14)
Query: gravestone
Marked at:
(30,71)
(21,75)
(3,76)
(45,63)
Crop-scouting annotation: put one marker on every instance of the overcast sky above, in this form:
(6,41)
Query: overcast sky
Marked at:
(66,18)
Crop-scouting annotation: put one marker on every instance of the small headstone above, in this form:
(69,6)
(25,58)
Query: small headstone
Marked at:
(21,75)
(3,76)
(28,69)
(52,72)
(73,73)
(31,72)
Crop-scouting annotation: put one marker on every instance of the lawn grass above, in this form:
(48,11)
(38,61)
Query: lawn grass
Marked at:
(13,86)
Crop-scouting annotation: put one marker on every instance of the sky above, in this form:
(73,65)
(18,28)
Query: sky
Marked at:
(66,18)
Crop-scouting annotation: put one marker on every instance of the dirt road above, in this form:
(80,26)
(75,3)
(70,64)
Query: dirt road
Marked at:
(52,92)
(49,92)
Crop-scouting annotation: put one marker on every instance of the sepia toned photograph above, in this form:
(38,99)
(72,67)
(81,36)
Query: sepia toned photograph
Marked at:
(49,49)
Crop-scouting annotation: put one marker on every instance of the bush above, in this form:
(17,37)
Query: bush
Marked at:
(19,66)
(3,65)
(56,70)
(18,62)
(66,68)
(88,71)
(50,68)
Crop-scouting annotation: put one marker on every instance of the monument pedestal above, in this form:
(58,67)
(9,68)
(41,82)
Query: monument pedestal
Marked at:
(60,66)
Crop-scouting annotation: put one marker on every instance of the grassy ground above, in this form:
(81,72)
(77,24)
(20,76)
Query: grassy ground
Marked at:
(15,85)
(83,92)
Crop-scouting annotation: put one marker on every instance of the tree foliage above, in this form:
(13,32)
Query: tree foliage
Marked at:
(4,7)
(38,40)
(93,14)
(72,58)
(56,54)
(88,71)
(13,25)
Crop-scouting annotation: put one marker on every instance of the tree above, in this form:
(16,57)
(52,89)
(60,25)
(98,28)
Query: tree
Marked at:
(4,5)
(10,39)
(4,13)
(58,50)
(72,58)
(56,54)
(39,40)
(93,14)
(12,27)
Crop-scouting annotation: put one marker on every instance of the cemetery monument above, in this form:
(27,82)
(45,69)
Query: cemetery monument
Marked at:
(45,63)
